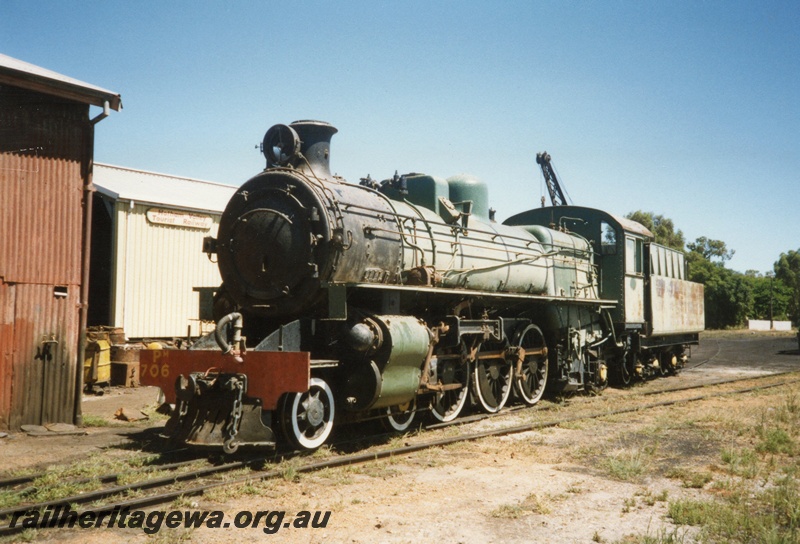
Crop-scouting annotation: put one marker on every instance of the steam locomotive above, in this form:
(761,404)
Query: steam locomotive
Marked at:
(386,300)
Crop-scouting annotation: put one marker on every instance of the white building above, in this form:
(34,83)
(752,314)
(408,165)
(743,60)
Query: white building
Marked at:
(148,272)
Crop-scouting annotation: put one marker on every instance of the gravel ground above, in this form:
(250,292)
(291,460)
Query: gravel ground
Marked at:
(553,485)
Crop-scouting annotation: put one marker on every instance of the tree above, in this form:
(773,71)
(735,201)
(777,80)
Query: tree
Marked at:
(663,228)
(711,249)
(728,296)
(787,270)
(770,296)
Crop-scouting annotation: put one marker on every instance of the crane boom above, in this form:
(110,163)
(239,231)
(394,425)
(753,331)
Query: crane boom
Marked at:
(553,186)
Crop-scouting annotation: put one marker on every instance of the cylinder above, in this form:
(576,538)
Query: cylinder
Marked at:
(409,341)
(391,375)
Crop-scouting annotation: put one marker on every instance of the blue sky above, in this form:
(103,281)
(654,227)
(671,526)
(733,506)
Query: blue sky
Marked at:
(686,109)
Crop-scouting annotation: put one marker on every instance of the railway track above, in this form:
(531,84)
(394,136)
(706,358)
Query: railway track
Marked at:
(196,482)
(707,359)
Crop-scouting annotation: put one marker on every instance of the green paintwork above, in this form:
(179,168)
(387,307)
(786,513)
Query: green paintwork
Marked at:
(407,342)
(423,190)
(465,188)
(609,258)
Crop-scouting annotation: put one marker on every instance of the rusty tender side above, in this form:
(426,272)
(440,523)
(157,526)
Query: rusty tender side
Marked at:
(344,302)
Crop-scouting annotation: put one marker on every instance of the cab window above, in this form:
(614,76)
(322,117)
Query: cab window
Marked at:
(608,239)
(633,255)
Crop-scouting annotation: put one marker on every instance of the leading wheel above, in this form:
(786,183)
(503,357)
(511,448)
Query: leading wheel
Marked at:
(531,371)
(492,379)
(307,418)
(400,418)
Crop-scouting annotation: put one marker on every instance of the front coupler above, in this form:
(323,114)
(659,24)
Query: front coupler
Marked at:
(212,409)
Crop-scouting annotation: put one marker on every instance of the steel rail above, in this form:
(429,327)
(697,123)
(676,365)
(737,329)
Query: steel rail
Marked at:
(708,359)
(105,478)
(510,409)
(146,484)
(358,458)
(13,481)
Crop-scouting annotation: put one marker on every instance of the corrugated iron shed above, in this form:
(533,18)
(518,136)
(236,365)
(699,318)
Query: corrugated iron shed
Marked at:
(159,282)
(46,142)
(22,75)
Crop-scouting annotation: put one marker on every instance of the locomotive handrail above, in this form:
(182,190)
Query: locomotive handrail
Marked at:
(436,223)
(459,271)
(389,203)
(506,237)
(427,228)
(333,205)
(601,303)
(557,254)
(454,251)
(559,248)
(416,247)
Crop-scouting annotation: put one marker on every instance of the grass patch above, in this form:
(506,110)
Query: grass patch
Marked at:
(752,494)
(508,511)
(290,474)
(651,499)
(95,421)
(225,493)
(663,536)
(576,425)
(536,504)
(775,440)
(693,512)
(740,462)
(769,513)
(9,499)
(691,479)
(778,426)
(153,415)
(628,505)
(532,504)
(697,480)
(575,488)
(28,535)
(770,516)
(61,481)
(627,466)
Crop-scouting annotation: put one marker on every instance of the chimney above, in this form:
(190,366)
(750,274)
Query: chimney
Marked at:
(315,145)
(303,145)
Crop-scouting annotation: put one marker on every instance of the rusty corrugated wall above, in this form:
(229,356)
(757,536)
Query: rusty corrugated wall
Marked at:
(45,148)
(6,351)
